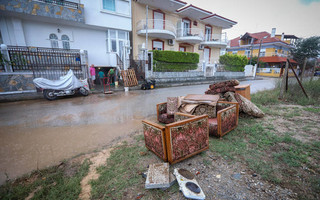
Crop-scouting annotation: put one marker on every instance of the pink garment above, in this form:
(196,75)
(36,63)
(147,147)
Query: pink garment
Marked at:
(92,71)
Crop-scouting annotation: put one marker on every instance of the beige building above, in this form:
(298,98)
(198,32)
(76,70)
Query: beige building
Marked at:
(174,25)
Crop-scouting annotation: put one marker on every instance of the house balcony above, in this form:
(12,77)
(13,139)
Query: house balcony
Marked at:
(216,40)
(190,35)
(163,29)
(57,9)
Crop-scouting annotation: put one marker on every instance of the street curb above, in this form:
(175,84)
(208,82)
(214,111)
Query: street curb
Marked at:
(38,95)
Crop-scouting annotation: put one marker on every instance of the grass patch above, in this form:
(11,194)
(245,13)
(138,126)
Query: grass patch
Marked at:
(293,95)
(267,97)
(296,95)
(123,171)
(274,156)
(52,183)
(314,110)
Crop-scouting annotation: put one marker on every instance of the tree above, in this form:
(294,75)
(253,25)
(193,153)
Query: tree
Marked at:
(306,48)
(254,60)
(233,62)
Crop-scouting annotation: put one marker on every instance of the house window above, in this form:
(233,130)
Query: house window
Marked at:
(262,52)
(247,53)
(119,6)
(116,40)
(276,51)
(186,24)
(157,45)
(183,49)
(109,5)
(54,40)
(208,33)
(65,42)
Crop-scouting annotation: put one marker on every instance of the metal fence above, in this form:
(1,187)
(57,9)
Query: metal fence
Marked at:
(46,62)
(62,3)
(139,68)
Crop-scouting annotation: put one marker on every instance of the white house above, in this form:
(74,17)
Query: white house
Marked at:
(99,26)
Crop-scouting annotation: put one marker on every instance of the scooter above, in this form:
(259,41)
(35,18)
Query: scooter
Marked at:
(66,85)
(148,84)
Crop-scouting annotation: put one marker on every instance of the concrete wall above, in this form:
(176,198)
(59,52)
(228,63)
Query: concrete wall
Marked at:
(229,75)
(29,23)
(97,16)
(167,77)
(37,34)
(92,40)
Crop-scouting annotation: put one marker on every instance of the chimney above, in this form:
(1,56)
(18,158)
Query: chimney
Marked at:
(282,37)
(273,32)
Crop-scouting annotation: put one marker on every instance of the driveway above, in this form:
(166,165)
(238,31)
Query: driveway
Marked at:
(39,133)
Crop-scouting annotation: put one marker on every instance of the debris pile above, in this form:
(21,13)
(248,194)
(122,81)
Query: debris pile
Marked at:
(158,176)
(222,87)
(245,105)
(226,91)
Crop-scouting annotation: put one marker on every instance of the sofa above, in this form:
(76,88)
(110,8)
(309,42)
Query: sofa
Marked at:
(173,142)
(223,121)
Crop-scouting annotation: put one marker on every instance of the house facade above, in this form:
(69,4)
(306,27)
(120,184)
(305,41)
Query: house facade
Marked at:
(274,49)
(101,27)
(174,25)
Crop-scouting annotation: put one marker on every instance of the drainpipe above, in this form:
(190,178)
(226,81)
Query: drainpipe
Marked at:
(146,56)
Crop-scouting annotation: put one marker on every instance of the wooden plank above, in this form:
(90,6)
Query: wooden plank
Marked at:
(129,78)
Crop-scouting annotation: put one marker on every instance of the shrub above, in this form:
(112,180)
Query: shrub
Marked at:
(173,67)
(175,56)
(254,60)
(233,62)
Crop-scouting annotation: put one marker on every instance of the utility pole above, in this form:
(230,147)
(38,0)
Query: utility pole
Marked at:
(303,69)
(258,59)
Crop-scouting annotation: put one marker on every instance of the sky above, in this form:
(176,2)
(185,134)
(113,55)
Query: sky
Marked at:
(293,17)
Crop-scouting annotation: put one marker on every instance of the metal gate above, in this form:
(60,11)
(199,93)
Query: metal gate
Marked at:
(138,66)
(46,62)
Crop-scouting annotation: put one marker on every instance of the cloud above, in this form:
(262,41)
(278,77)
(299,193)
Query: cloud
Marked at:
(308,2)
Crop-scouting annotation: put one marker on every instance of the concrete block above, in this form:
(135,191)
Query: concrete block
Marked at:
(158,176)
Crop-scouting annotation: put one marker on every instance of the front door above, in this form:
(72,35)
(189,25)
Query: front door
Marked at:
(206,54)
(186,27)
(208,33)
(158,20)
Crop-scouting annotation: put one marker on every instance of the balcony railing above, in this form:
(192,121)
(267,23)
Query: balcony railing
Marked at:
(222,38)
(190,32)
(156,25)
(267,54)
(68,4)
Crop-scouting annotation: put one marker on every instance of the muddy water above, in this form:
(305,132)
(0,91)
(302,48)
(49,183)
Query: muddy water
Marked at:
(39,133)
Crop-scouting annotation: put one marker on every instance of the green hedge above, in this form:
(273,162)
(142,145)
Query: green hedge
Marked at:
(233,63)
(159,66)
(175,56)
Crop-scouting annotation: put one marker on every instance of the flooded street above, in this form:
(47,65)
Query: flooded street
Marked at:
(38,133)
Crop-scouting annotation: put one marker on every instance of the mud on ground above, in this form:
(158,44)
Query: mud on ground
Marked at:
(219,176)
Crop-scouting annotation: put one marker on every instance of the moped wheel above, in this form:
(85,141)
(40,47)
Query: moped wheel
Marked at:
(83,91)
(49,94)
